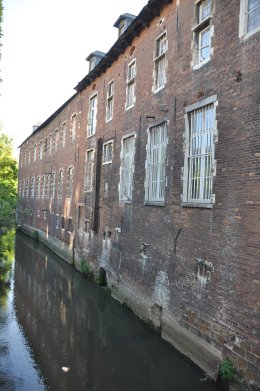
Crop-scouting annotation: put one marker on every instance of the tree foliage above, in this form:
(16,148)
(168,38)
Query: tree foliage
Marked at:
(8,184)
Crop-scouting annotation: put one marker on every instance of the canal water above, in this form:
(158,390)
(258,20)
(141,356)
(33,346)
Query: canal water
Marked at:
(60,332)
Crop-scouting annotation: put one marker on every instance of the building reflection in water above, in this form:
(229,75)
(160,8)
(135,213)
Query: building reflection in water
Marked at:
(71,323)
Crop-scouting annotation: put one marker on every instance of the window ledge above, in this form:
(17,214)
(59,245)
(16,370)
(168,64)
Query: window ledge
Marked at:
(129,107)
(250,33)
(91,135)
(104,163)
(153,203)
(197,205)
(109,119)
(203,23)
(199,65)
(159,89)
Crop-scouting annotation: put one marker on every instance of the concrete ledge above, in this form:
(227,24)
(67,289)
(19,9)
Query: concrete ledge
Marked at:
(57,246)
(198,351)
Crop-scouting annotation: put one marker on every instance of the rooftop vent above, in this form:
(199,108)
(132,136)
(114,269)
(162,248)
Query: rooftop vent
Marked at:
(94,58)
(123,22)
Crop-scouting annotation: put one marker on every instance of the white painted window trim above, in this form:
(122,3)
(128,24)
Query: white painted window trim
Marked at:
(150,200)
(93,131)
(69,187)
(121,183)
(186,146)
(110,98)
(89,190)
(131,82)
(243,21)
(106,143)
(73,137)
(158,59)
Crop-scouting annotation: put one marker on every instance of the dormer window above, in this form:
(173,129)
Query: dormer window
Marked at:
(94,58)
(123,22)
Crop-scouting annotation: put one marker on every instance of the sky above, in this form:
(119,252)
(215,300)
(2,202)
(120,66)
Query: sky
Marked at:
(45,44)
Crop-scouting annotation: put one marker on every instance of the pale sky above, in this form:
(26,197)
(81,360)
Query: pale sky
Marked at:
(45,45)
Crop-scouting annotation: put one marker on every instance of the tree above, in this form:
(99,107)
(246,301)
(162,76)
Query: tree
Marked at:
(1,19)
(8,184)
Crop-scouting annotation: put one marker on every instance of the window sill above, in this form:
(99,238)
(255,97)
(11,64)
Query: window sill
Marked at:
(109,119)
(158,89)
(90,135)
(199,65)
(126,201)
(87,191)
(104,163)
(153,203)
(250,33)
(202,24)
(129,107)
(197,205)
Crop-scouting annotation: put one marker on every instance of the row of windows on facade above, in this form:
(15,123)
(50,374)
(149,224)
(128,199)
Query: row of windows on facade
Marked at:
(60,221)
(202,32)
(198,170)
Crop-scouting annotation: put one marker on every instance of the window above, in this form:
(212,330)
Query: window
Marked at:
(249,17)
(41,150)
(156,164)
(199,165)
(38,187)
(29,155)
(81,219)
(130,85)
(70,225)
(107,152)
(63,135)
(60,183)
(27,188)
(92,116)
(70,182)
(34,152)
(23,188)
(50,144)
(57,221)
(32,187)
(46,145)
(44,214)
(110,101)
(55,140)
(62,222)
(20,188)
(89,170)
(160,63)
(43,186)
(73,128)
(127,168)
(53,183)
(47,185)
(202,32)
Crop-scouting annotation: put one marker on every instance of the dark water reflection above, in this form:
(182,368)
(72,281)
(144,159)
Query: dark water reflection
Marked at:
(69,322)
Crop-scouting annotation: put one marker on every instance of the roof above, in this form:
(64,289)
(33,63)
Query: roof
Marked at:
(143,20)
(97,53)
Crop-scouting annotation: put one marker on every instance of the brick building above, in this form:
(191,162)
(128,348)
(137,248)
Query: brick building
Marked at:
(151,171)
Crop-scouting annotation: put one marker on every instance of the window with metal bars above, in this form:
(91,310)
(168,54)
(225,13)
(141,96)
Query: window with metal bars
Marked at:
(89,170)
(200,150)
(156,164)
(127,168)
(160,62)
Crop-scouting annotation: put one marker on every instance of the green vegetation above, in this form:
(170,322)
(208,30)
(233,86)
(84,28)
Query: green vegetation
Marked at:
(1,19)
(228,371)
(85,270)
(8,200)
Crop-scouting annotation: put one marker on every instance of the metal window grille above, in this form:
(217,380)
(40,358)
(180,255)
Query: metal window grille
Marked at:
(156,164)
(92,116)
(253,14)
(127,168)
(201,153)
(89,170)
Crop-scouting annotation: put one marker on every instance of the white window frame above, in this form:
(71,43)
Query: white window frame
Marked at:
(47,185)
(43,187)
(50,143)
(127,166)
(38,187)
(32,186)
(202,24)
(60,183)
(41,150)
(27,184)
(110,100)
(200,153)
(53,184)
(160,61)
(131,85)
(155,165)
(243,21)
(63,135)
(73,128)
(70,175)
(34,152)
(92,115)
(108,157)
(89,170)
(55,140)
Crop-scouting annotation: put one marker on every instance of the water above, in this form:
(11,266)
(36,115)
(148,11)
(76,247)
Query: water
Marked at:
(61,332)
